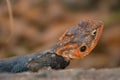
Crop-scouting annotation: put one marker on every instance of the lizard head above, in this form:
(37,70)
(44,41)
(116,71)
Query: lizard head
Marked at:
(80,40)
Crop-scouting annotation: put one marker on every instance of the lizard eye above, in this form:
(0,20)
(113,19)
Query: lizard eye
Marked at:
(83,48)
(94,32)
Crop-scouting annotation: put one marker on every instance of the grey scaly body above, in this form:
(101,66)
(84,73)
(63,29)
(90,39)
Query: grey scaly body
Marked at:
(32,63)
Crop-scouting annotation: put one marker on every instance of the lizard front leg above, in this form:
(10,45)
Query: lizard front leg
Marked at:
(47,60)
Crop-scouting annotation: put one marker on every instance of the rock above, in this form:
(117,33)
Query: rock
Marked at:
(70,74)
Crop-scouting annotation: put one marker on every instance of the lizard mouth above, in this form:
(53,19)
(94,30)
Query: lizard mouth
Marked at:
(98,35)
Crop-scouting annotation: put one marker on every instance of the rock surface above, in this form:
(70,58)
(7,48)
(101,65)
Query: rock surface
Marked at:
(70,74)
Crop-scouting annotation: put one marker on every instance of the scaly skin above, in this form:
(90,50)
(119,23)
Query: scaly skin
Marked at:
(75,43)
(84,35)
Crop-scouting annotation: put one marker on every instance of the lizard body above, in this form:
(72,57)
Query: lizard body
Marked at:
(32,63)
(75,43)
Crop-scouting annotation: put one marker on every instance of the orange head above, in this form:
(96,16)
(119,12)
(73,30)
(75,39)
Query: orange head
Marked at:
(80,40)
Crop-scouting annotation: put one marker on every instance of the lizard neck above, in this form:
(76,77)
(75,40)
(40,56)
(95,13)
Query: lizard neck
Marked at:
(54,48)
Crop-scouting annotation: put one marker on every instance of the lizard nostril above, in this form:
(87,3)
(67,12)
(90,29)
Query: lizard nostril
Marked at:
(83,49)
(94,32)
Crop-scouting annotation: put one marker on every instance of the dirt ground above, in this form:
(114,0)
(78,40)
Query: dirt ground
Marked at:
(70,74)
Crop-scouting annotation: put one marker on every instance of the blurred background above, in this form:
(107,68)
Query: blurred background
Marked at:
(38,24)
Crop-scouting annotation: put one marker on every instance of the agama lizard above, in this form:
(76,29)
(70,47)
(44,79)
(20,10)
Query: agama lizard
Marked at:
(75,43)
